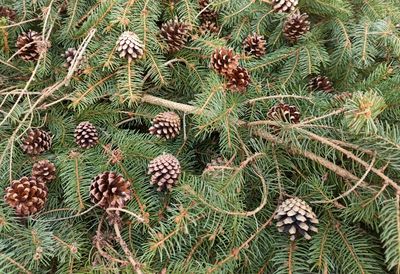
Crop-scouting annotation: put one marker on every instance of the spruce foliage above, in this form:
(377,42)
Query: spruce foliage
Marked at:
(342,157)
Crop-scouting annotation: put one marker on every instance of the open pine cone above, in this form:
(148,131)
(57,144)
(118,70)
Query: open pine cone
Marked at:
(239,80)
(175,34)
(296,26)
(36,142)
(284,5)
(30,45)
(44,171)
(296,218)
(166,125)
(129,46)
(165,170)
(207,14)
(26,195)
(285,113)
(321,83)
(69,56)
(217,169)
(224,61)
(8,13)
(254,45)
(110,189)
(86,135)
(209,27)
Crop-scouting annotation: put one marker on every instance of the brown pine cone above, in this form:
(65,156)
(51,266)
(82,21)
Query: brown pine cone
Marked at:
(321,83)
(175,34)
(26,195)
(224,61)
(217,169)
(254,45)
(165,170)
(284,5)
(296,26)
(110,189)
(30,45)
(36,142)
(239,80)
(209,27)
(69,56)
(8,13)
(285,113)
(129,46)
(166,125)
(44,171)
(86,135)
(342,97)
(296,218)
(207,14)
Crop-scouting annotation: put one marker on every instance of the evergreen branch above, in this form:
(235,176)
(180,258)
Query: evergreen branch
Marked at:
(236,251)
(352,156)
(322,161)
(263,134)
(21,23)
(76,101)
(350,248)
(135,264)
(252,101)
(21,267)
(341,196)
(236,213)
(72,16)
(78,190)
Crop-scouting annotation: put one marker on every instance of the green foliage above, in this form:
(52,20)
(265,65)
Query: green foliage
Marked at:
(342,158)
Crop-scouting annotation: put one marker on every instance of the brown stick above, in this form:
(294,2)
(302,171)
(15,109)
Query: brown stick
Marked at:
(136,265)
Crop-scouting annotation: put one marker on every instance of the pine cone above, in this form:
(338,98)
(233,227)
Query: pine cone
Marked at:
(110,189)
(30,45)
(207,14)
(209,27)
(216,169)
(296,25)
(36,142)
(296,218)
(164,170)
(166,125)
(7,13)
(129,46)
(321,83)
(224,61)
(26,195)
(239,80)
(284,5)
(69,56)
(44,171)
(86,135)
(175,34)
(254,45)
(285,113)
(342,97)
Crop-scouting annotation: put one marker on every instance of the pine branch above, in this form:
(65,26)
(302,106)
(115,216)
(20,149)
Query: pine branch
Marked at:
(260,133)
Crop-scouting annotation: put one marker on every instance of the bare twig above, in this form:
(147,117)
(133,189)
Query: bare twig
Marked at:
(136,265)
(352,156)
(341,196)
